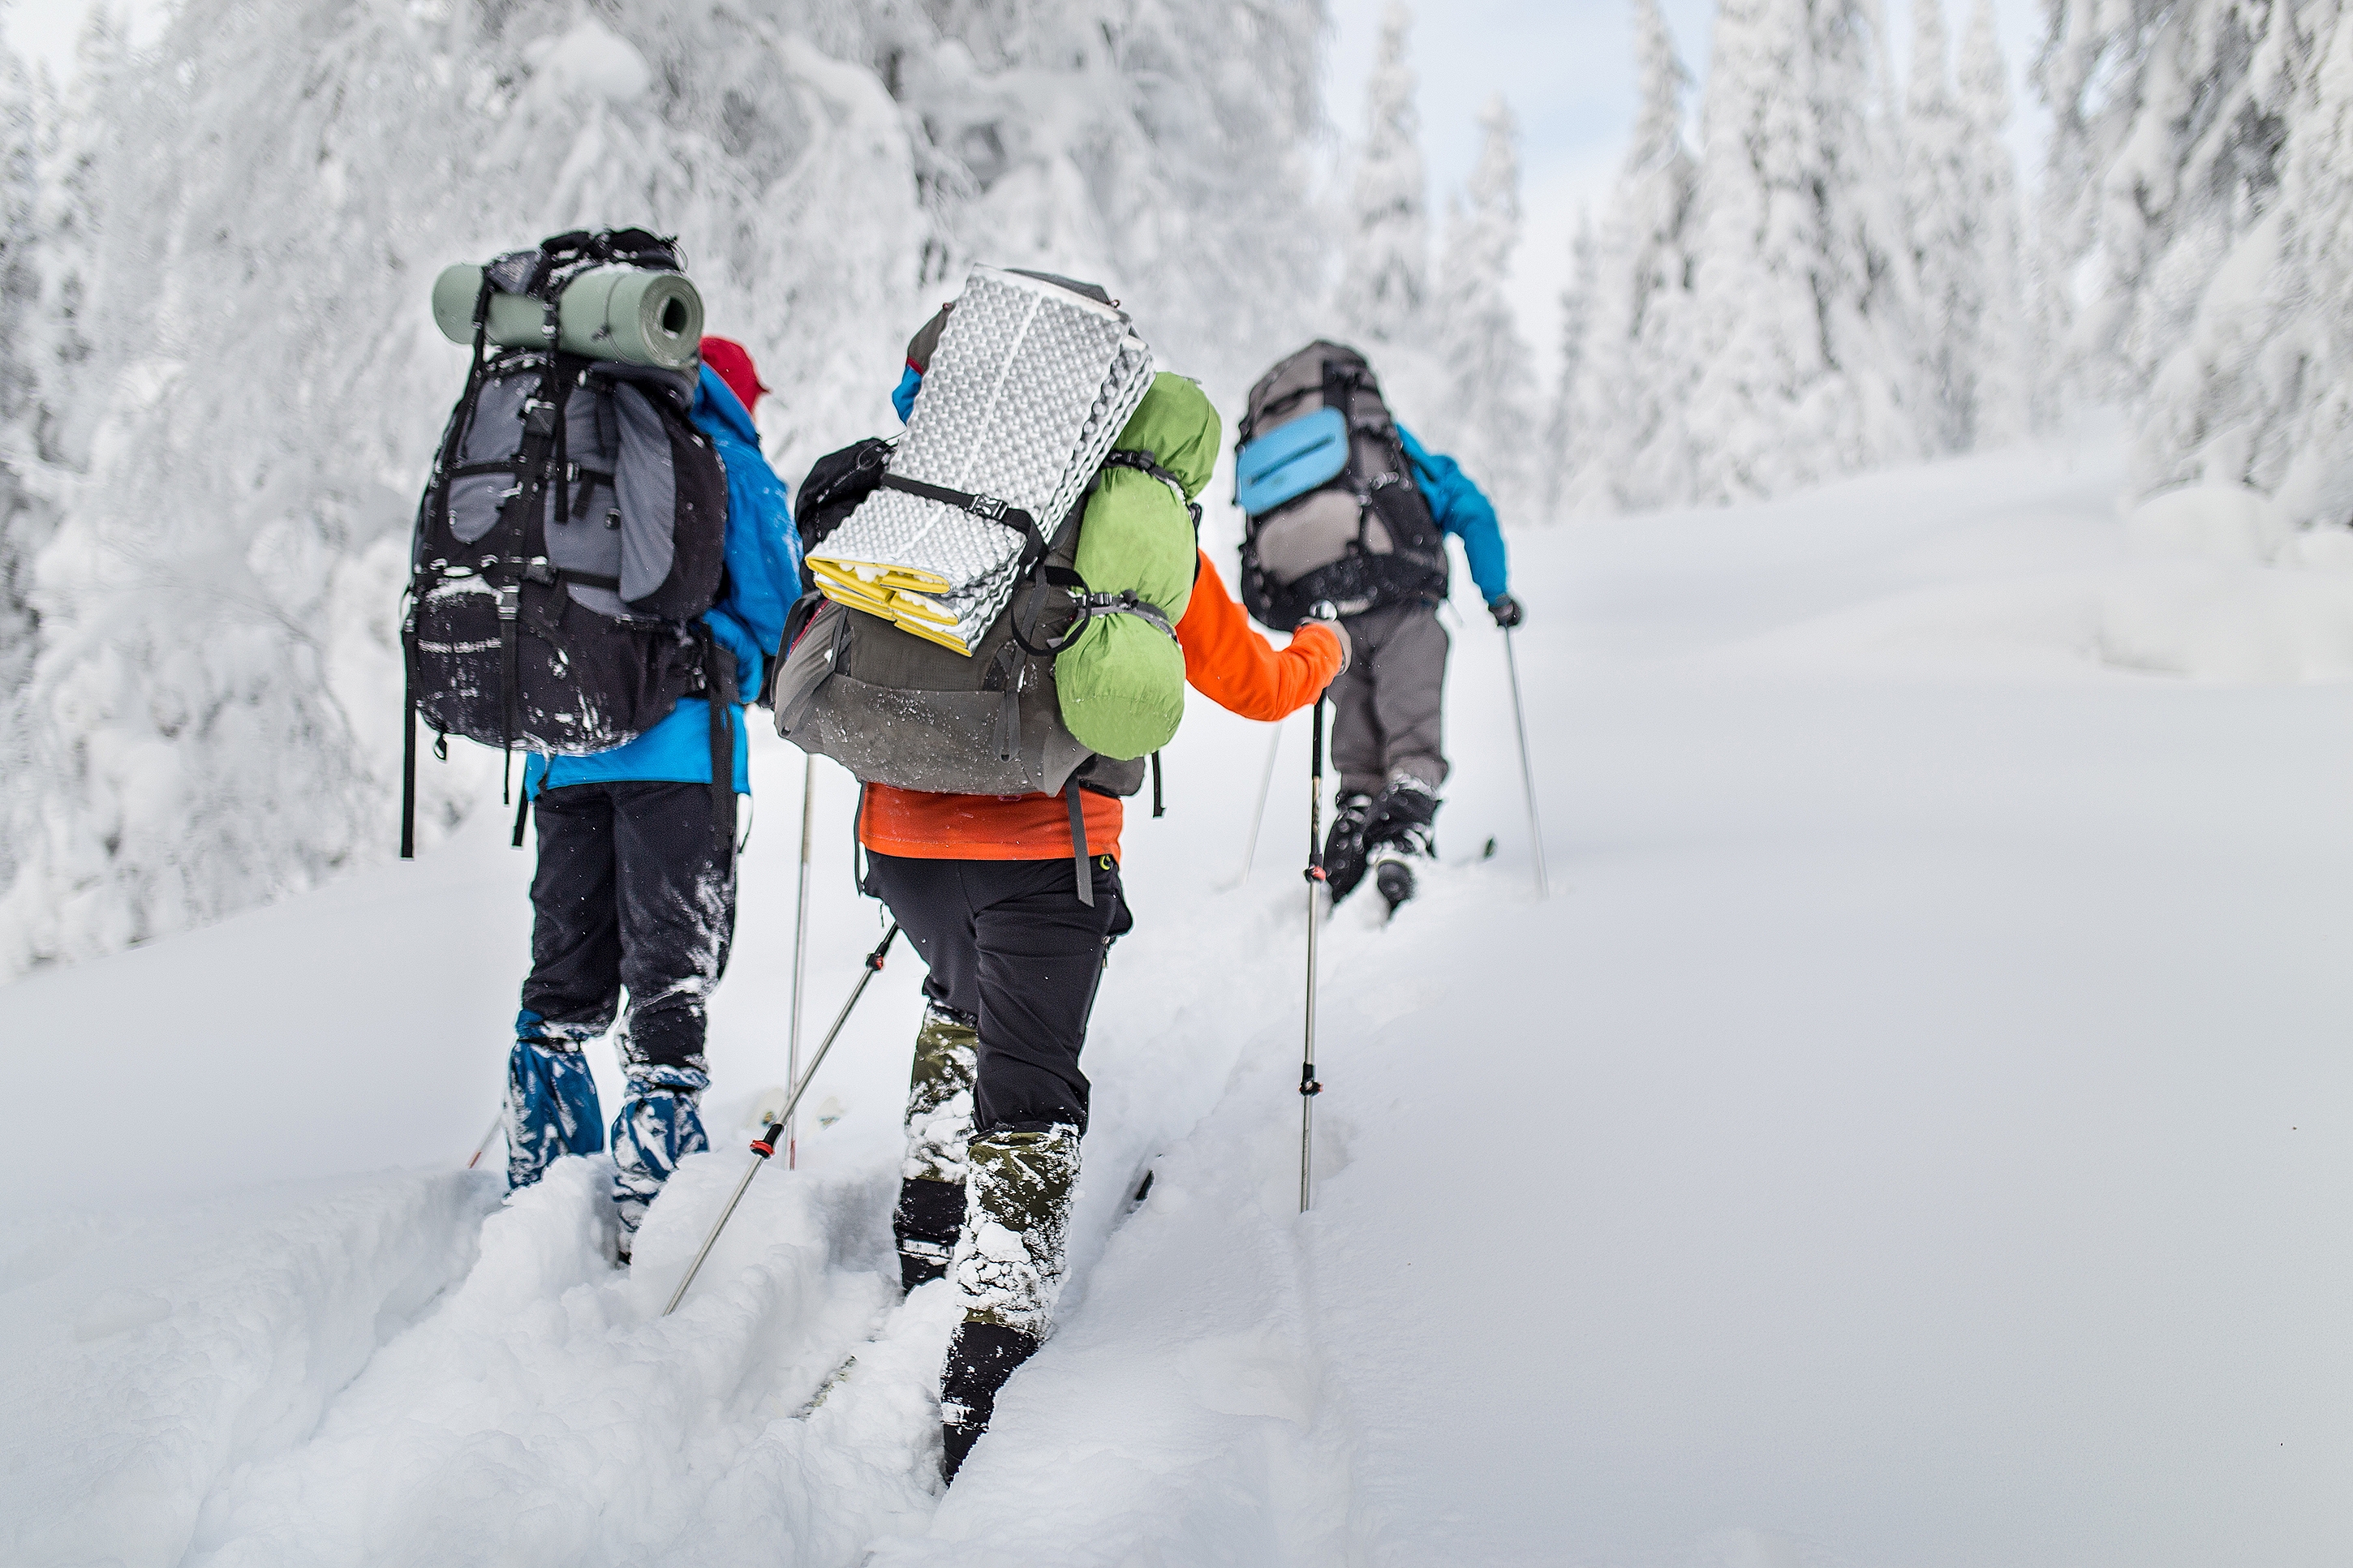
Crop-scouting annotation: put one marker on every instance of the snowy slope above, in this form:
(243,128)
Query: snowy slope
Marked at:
(1911,1134)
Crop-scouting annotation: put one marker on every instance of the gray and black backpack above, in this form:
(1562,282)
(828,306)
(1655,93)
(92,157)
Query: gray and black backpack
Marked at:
(572,531)
(1334,514)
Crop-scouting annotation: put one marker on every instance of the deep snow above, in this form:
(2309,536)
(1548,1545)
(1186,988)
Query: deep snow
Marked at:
(1913,1133)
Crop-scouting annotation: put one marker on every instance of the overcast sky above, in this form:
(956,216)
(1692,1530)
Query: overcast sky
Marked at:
(1565,65)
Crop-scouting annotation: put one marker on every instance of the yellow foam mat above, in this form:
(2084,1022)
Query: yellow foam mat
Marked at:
(892,609)
(882,600)
(866,572)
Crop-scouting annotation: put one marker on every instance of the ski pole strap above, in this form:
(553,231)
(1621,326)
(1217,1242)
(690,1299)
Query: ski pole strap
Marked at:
(1158,807)
(523,806)
(1086,883)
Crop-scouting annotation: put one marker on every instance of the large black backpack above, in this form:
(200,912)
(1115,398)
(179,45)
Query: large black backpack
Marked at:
(1334,514)
(572,530)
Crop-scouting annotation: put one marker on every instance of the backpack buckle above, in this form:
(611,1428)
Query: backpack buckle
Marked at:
(988,507)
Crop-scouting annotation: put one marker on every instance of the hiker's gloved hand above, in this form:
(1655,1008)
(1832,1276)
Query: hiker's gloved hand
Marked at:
(1347,649)
(1507,611)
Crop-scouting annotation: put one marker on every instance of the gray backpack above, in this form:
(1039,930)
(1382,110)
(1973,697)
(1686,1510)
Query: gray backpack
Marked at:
(1334,513)
(570,537)
(898,710)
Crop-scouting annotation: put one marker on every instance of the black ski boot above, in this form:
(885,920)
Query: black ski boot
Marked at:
(928,1218)
(980,1358)
(1344,847)
(1401,834)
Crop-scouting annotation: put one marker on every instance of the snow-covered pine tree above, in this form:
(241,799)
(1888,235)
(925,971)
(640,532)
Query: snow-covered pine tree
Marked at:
(1633,371)
(1386,284)
(2169,119)
(1486,415)
(1804,298)
(2001,395)
(213,715)
(2257,390)
(1939,218)
(26,121)
(1561,431)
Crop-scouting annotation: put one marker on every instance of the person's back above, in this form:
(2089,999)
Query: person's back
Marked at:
(1320,462)
(984,884)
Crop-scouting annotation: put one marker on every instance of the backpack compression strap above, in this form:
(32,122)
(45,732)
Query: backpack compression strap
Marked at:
(989,507)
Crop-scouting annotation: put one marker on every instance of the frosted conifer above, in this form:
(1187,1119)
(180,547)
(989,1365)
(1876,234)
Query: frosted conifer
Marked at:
(1386,284)
(1561,431)
(1635,368)
(1803,290)
(1486,417)
(1999,400)
(1940,218)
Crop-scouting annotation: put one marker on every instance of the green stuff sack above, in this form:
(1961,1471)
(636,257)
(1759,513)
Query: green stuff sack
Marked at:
(1120,684)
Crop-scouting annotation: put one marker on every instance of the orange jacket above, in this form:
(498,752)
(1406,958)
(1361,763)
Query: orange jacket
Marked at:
(1225,660)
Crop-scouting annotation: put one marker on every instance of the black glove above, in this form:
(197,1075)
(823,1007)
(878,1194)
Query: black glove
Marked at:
(1507,611)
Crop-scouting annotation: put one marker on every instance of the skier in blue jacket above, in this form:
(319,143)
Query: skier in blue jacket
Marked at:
(1388,704)
(629,890)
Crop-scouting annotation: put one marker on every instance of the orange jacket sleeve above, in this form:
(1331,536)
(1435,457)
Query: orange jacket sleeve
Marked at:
(1228,662)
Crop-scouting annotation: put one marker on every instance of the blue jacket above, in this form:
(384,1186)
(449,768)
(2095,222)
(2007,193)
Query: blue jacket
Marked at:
(763,564)
(1463,510)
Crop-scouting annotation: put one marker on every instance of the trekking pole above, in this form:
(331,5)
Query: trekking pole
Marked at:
(483,1147)
(765,1144)
(1265,782)
(800,956)
(1527,774)
(1308,1088)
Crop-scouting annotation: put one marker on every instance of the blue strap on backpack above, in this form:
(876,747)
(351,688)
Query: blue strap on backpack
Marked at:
(1290,460)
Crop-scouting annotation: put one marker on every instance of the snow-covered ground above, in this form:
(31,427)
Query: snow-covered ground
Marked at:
(1914,1132)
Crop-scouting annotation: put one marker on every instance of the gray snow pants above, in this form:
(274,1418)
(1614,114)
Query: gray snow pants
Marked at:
(1386,705)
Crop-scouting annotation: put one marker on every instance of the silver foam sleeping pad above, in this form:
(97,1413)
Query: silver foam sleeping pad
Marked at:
(1030,385)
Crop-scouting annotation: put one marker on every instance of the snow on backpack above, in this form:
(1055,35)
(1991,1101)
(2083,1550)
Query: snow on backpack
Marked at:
(1333,512)
(575,525)
(1077,678)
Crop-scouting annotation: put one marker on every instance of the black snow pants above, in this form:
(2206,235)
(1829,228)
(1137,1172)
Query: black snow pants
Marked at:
(1009,943)
(1388,705)
(629,893)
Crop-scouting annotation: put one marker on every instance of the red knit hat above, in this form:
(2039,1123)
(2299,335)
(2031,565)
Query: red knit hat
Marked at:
(732,361)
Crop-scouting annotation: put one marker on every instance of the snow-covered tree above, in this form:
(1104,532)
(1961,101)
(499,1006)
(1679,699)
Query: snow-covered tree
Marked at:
(1486,418)
(1803,293)
(2257,387)
(212,716)
(2169,121)
(2002,388)
(2197,191)
(1386,283)
(1561,431)
(1942,224)
(1635,369)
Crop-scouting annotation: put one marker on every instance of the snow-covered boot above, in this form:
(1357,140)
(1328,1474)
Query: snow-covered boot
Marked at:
(1344,847)
(981,1356)
(1401,834)
(657,1127)
(551,1109)
(1008,1270)
(930,1216)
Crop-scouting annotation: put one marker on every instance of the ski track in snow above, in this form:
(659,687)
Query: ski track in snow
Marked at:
(1911,1134)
